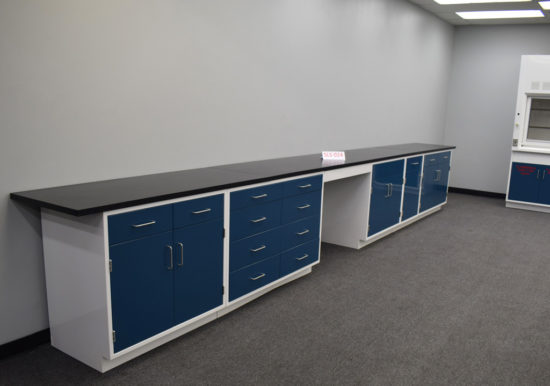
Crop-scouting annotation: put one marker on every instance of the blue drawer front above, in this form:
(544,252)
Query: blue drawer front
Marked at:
(437,158)
(253,277)
(300,232)
(139,223)
(444,157)
(254,249)
(254,196)
(431,160)
(198,210)
(303,185)
(302,206)
(299,257)
(255,219)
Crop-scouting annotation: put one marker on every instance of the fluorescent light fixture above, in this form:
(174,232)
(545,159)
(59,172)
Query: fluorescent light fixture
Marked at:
(545,4)
(446,2)
(501,14)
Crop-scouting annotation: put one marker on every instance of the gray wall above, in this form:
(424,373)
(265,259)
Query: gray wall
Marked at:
(102,89)
(482,100)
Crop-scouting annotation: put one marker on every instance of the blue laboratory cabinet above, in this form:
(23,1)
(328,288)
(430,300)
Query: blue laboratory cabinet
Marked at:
(530,183)
(127,270)
(385,202)
(401,189)
(435,180)
(274,231)
(159,280)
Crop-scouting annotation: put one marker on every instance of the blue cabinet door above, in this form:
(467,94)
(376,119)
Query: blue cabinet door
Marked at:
(141,289)
(442,179)
(198,269)
(412,187)
(385,202)
(544,186)
(435,180)
(524,184)
(427,199)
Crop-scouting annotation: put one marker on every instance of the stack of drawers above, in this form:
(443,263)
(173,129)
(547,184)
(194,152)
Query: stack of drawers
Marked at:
(274,231)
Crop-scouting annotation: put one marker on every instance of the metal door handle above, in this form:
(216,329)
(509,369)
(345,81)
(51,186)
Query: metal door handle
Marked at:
(259,219)
(171,257)
(260,196)
(538,174)
(203,211)
(144,224)
(258,249)
(303,257)
(305,186)
(389,190)
(181,255)
(303,232)
(304,206)
(258,277)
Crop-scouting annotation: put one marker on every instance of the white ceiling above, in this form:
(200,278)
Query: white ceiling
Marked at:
(447,12)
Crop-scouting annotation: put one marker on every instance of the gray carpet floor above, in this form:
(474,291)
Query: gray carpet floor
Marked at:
(459,298)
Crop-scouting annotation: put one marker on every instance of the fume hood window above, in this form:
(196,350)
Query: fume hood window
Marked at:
(539,120)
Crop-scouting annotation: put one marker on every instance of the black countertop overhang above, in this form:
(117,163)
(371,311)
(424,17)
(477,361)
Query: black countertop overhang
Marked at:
(95,197)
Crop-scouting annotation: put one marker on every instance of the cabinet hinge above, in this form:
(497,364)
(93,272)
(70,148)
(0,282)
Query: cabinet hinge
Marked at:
(223,290)
(110,265)
(224,233)
(114,336)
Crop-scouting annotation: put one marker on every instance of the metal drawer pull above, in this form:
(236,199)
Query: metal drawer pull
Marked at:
(432,159)
(389,191)
(538,174)
(305,186)
(144,224)
(415,163)
(171,257)
(446,157)
(303,257)
(258,249)
(260,196)
(259,219)
(303,232)
(304,206)
(258,277)
(203,211)
(181,255)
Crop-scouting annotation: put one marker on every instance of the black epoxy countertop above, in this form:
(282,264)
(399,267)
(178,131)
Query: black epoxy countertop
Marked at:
(100,196)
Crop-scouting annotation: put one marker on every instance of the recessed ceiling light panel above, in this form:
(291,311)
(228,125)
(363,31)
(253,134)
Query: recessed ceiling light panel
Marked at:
(501,14)
(545,4)
(447,2)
